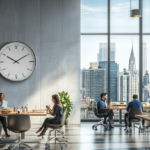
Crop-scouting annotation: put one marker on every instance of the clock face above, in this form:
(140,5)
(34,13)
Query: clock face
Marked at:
(17,61)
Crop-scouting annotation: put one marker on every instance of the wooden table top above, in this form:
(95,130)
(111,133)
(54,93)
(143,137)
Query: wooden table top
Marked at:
(124,108)
(144,117)
(118,108)
(30,114)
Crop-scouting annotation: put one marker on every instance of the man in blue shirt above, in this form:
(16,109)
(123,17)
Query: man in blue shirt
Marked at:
(102,105)
(134,104)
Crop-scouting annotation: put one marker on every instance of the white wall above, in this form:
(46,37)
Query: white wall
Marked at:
(52,29)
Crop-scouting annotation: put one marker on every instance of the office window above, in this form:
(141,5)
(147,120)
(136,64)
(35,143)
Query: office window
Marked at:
(124,52)
(93,16)
(146,16)
(120,17)
(146,69)
(124,76)
(93,73)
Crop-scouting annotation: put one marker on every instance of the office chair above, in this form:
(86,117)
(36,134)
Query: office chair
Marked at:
(104,114)
(19,123)
(56,128)
(133,119)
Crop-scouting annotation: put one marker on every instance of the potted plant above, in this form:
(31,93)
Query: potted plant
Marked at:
(66,104)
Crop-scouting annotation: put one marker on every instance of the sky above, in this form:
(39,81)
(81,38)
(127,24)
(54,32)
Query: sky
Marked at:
(94,20)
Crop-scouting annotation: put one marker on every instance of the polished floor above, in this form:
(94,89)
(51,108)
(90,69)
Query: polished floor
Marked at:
(83,137)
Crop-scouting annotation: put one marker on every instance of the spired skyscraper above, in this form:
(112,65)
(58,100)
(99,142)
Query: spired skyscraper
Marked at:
(103,52)
(128,82)
(132,64)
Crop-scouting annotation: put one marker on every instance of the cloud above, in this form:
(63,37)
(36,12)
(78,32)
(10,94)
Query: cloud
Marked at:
(93,9)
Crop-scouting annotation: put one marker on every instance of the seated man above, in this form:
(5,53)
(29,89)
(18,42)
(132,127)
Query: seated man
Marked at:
(102,105)
(133,104)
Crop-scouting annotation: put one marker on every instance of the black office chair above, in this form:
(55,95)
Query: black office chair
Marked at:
(19,123)
(133,119)
(104,114)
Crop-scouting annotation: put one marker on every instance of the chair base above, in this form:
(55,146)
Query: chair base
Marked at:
(18,144)
(98,124)
(134,126)
(55,138)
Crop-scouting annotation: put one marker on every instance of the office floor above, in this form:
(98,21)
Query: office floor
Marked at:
(84,138)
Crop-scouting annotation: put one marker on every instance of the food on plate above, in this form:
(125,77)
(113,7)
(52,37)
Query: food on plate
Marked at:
(144,104)
(6,111)
(121,103)
(113,103)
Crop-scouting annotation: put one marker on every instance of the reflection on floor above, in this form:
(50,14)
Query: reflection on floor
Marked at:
(84,138)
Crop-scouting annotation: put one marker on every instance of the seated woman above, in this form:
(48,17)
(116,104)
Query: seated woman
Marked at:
(56,111)
(3,104)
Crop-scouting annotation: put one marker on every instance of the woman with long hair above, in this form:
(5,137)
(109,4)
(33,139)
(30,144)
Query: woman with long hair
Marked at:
(56,111)
(3,104)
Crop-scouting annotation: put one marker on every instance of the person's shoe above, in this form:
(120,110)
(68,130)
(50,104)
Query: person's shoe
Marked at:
(39,130)
(111,126)
(104,122)
(41,134)
(1,143)
(7,135)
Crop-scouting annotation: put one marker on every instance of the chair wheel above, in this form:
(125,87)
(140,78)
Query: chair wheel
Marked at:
(95,129)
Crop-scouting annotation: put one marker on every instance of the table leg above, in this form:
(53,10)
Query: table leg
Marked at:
(23,135)
(120,116)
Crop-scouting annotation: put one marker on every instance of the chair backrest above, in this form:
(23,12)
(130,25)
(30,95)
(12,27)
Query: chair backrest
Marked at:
(19,122)
(95,111)
(63,118)
(133,112)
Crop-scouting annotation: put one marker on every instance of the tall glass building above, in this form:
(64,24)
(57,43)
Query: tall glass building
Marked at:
(114,68)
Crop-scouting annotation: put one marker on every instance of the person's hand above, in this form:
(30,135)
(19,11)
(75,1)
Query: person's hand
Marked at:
(109,106)
(47,107)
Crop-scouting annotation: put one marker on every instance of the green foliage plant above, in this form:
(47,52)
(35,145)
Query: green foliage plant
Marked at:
(66,103)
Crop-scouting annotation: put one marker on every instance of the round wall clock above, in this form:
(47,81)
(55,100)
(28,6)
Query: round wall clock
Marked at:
(17,61)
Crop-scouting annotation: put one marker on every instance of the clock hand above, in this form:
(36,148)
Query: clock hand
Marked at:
(12,59)
(21,58)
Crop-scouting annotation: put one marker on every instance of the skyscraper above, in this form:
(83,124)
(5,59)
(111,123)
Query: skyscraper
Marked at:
(93,81)
(132,65)
(128,81)
(144,59)
(114,67)
(146,79)
(127,86)
(103,52)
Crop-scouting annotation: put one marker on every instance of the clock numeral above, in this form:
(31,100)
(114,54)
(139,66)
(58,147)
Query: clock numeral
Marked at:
(16,76)
(4,69)
(23,48)
(1,61)
(8,74)
(28,69)
(31,61)
(9,49)
(4,54)
(23,74)
(15,47)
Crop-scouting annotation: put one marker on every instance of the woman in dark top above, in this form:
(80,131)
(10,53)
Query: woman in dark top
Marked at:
(56,111)
(3,105)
